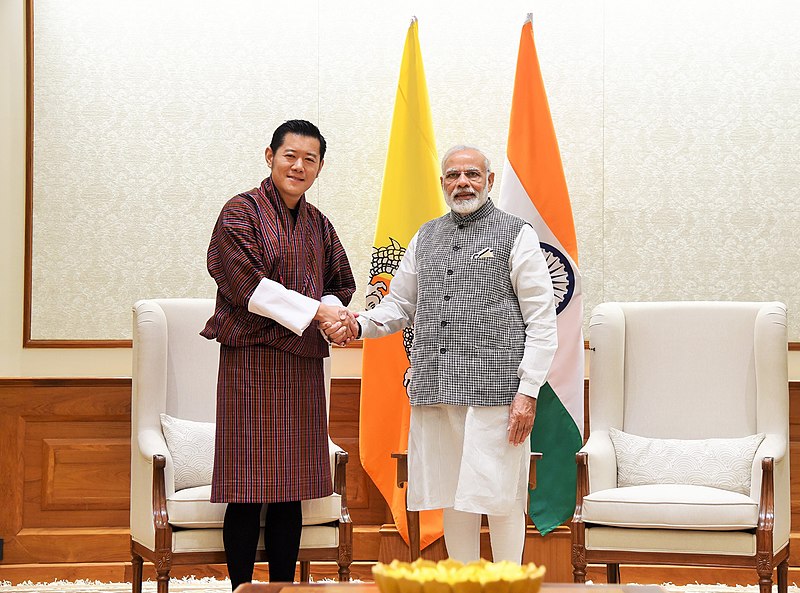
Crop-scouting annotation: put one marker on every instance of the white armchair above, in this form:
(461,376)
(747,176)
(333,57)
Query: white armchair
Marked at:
(175,373)
(706,385)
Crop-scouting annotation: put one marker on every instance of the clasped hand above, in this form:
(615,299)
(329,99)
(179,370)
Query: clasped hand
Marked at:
(338,323)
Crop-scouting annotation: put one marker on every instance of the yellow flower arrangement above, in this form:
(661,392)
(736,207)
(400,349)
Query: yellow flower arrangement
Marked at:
(451,576)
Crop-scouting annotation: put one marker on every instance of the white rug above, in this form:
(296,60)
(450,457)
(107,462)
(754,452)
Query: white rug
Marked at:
(223,586)
(175,586)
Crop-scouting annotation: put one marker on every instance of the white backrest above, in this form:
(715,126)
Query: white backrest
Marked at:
(174,367)
(688,369)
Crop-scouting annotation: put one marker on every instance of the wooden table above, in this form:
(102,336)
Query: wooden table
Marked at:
(373,588)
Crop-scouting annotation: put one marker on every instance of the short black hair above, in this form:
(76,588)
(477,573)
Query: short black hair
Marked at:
(300,127)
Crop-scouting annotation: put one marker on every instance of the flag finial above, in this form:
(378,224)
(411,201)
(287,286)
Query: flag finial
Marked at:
(413,20)
(529,18)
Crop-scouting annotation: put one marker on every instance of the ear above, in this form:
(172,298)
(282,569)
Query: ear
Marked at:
(268,156)
(490,180)
(322,162)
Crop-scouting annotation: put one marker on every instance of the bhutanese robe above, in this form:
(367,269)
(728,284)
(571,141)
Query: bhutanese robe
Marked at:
(272,435)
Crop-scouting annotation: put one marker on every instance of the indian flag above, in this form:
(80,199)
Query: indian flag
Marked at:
(411,195)
(534,188)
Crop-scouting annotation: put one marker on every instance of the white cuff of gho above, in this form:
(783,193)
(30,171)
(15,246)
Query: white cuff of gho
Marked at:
(291,309)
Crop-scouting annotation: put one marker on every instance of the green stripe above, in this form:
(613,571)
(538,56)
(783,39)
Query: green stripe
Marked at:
(558,439)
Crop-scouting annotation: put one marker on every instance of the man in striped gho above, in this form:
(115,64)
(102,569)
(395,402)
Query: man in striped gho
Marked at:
(280,270)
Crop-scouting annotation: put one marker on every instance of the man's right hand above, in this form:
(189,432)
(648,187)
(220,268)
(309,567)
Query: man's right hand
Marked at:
(338,323)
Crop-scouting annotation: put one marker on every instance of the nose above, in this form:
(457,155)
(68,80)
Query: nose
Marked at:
(462,180)
(297,165)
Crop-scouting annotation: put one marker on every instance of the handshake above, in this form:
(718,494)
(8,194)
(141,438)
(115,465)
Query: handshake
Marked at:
(338,324)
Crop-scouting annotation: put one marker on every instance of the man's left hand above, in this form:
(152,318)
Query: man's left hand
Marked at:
(520,418)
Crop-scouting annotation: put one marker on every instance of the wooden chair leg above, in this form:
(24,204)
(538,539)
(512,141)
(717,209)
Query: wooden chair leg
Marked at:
(783,576)
(136,577)
(163,581)
(163,566)
(305,571)
(612,573)
(345,557)
(577,526)
(578,563)
(412,518)
(765,577)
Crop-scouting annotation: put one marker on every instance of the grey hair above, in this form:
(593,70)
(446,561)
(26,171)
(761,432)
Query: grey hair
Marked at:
(459,148)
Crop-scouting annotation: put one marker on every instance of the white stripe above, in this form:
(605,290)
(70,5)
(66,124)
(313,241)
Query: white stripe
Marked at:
(514,200)
(566,375)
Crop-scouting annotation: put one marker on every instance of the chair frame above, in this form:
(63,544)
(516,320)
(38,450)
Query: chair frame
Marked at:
(164,558)
(764,560)
(150,463)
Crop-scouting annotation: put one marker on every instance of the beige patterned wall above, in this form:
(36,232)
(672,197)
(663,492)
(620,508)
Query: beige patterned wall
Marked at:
(678,123)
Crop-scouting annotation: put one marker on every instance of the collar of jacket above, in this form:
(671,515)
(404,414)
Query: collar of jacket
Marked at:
(481,212)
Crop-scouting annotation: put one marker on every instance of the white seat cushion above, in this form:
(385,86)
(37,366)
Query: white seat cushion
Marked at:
(204,540)
(191,508)
(671,506)
(680,541)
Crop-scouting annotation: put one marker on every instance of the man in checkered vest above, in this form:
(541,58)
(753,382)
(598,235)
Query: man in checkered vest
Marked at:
(475,286)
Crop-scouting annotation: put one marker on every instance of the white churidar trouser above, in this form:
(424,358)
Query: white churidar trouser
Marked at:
(462,536)
(460,460)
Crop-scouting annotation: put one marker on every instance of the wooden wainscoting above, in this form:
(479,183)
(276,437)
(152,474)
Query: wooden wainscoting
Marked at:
(65,469)
(65,480)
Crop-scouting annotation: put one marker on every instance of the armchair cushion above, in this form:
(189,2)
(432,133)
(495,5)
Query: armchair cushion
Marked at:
(190,508)
(191,445)
(671,506)
(717,463)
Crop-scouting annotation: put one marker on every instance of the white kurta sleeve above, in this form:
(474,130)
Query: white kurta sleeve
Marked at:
(291,309)
(397,309)
(530,278)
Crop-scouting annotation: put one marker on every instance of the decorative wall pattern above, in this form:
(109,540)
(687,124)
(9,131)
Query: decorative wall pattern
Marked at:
(678,124)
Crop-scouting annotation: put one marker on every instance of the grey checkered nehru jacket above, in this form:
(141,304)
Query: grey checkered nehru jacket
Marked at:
(469,334)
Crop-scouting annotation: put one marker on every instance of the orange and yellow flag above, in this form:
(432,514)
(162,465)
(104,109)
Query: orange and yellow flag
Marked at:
(410,196)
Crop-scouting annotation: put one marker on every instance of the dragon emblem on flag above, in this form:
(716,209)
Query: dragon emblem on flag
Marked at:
(384,263)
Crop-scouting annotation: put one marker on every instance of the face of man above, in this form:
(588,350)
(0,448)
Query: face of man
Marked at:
(465,183)
(295,166)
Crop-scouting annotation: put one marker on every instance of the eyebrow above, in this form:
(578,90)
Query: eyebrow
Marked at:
(308,153)
(456,170)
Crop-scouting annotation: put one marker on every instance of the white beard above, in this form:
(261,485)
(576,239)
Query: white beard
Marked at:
(464,207)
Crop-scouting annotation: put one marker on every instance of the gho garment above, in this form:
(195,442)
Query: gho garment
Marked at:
(272,436)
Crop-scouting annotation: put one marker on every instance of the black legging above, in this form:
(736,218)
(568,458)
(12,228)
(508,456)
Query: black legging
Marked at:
(282,528)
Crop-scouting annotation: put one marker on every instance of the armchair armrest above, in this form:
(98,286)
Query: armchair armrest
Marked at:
(773,446)
(601,460)
(151,442)
(163,531)
(766,508)
(151,445)
(340,482)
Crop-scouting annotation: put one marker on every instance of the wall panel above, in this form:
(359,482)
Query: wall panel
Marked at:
(677,120)
(58,516)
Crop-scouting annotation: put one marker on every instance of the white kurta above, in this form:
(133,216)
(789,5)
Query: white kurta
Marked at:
(459,456)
